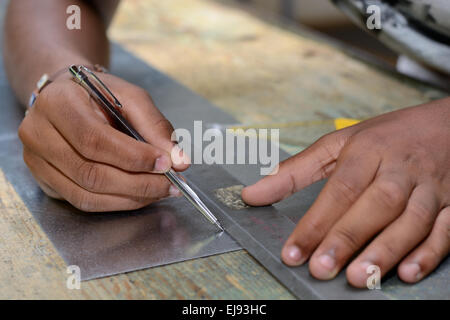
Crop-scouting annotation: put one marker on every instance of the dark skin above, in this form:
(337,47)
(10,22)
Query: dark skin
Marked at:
(388,192)
(88,163)
(379,186)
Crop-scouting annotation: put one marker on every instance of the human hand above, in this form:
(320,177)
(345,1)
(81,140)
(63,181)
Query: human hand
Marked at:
(388,193)
(76,155)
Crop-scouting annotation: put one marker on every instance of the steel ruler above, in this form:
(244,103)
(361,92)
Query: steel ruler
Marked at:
(262,231)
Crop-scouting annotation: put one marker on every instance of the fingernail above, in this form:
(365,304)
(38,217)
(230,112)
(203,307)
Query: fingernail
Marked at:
(327,262)
(414,270)
(174,191)
(179,157)
(162,164)
(361,272)
(293,254)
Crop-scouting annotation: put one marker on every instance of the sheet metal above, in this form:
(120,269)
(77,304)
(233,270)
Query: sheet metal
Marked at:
(110,243)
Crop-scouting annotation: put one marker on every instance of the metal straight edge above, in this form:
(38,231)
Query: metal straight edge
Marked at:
(262,232)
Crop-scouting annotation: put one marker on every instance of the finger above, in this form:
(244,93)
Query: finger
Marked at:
(77,196)
(49,191)
(353,173)
(399,238)
(139,109)
(424,259)
(381,203)
(93,137)
(93,176)
(311,165)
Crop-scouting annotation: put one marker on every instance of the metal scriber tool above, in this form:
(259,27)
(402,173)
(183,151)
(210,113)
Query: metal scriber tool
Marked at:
(97,89)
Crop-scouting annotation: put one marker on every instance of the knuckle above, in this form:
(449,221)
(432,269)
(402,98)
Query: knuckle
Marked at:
(347,237)
(145,191)
(370,138)
(91,176)
(139,161)
(344,189)
(434,255)
(164,125)
(292,184)
(83,201)
(153,190)
(421,215)
(388,251)
(308,241)
(316,225)
(390,193)
(327,138)
(336,140)
(90,142)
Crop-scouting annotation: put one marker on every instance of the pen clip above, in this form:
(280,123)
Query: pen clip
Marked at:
(77,72)
(100,82)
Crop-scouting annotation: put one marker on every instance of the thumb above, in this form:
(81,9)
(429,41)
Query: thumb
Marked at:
(155,128)
(313,164)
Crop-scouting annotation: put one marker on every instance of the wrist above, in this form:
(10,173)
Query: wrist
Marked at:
(56,62)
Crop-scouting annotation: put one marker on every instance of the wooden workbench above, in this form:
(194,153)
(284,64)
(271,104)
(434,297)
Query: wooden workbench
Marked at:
(251,67)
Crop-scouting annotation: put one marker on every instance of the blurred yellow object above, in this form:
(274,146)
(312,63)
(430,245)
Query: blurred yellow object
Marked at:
(341,123)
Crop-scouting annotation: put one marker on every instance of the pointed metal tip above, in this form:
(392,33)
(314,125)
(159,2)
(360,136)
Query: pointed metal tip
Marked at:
(219,226)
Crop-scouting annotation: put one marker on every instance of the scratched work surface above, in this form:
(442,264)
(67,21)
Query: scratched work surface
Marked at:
(199,52)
